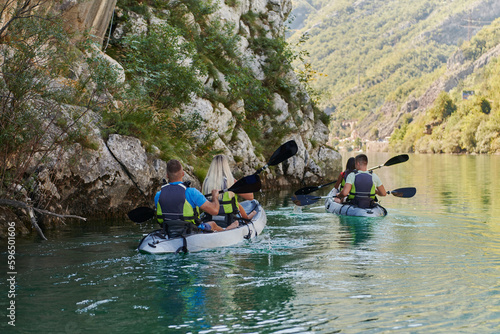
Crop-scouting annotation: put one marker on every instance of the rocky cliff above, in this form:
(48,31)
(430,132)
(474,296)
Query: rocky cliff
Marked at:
(118,173)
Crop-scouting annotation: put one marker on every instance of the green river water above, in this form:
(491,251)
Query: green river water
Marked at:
(431,266)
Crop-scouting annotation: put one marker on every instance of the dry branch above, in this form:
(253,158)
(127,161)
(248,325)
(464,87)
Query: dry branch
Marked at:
(30,209)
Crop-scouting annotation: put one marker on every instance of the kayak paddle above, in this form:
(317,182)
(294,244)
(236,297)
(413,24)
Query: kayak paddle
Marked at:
(403,192)
(285,151)
(251,183)
(302,200)
(392,161)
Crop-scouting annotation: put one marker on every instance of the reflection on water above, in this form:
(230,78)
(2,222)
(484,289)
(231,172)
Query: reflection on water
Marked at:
(430,266)
(206,291)
(356,230)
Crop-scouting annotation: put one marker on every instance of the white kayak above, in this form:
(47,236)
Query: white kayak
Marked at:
(157,242)
(352,210)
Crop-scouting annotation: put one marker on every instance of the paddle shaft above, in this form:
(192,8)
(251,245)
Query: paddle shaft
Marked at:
(261,169)
(326,184)
(393,161)
(309,199)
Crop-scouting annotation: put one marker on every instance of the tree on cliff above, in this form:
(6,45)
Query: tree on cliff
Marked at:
(36,87)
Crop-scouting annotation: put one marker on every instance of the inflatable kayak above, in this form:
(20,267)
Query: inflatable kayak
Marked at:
(158,242)
(352,210)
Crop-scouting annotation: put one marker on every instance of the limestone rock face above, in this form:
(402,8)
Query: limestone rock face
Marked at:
(119,173)
(116,177)
(217,119)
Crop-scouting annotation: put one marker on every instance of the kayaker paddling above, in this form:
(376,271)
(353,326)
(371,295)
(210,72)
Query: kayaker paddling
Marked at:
(180,236)
(362,186)
(176,201)
(358,189)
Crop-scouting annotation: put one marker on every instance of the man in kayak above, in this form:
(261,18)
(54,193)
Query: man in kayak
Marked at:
(176,201)
(362,185)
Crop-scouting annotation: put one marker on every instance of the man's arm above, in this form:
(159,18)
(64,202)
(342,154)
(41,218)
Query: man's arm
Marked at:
(212,207)
(381,191)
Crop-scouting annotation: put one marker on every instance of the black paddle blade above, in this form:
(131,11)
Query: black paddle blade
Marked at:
(302,200)
(404,192)
(285,151)
(141,214)
(306,190)
(397,160)
(247,184)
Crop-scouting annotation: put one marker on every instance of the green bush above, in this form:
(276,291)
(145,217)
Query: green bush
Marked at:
(443,107)
(163,66)
(487,134)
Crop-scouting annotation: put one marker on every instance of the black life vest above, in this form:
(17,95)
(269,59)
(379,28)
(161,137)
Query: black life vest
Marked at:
(172,204)
(362,191)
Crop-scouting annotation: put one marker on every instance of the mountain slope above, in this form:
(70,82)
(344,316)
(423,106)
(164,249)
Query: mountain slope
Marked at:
(377,54)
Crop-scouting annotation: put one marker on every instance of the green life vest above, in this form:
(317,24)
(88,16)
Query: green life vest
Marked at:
(228,205)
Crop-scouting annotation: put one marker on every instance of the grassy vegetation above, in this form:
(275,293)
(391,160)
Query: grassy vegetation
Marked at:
(42,102)
(164,64)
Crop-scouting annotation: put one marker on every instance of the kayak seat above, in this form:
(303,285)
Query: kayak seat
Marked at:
(179,228)
(363,202)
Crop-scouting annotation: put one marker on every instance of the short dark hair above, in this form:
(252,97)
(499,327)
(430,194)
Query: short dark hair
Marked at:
(362,159)
(173,167)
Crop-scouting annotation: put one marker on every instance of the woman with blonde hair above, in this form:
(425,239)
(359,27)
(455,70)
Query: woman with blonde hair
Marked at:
(219,176)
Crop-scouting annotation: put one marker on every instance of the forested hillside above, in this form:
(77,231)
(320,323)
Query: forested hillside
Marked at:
(465,119)
(378,61)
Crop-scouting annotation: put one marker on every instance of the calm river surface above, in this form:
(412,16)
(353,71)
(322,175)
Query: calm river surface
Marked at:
(431,266)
